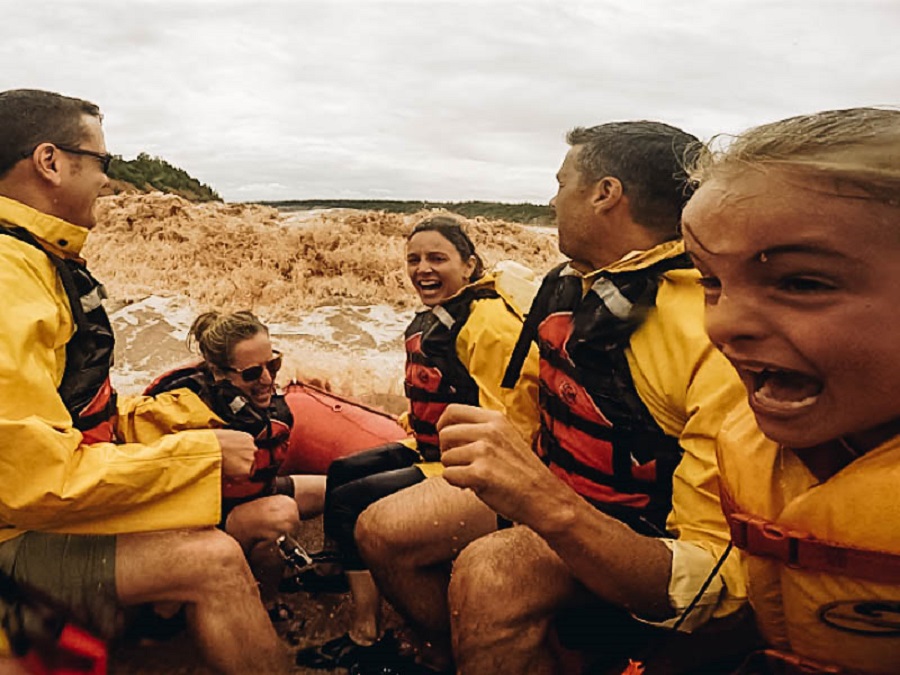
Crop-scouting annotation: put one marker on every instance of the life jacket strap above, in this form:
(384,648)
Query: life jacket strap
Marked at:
(536,314)
(622,482)
(796,548)
(553,406)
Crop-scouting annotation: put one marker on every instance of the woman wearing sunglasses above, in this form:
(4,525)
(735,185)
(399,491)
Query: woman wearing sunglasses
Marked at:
(457,347)
(236,380)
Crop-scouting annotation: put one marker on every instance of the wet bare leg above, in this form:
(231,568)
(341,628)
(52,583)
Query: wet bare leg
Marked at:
(309,493)
(506,589)
(255,525)
(365,626)
(206,570)
(408,539)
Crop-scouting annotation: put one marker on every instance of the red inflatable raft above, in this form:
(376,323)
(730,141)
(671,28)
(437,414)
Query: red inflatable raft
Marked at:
(328,426)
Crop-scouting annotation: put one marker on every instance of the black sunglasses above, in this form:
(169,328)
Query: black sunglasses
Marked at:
(104,157)
(253,373)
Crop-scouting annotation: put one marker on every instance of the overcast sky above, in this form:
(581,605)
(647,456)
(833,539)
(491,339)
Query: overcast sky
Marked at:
(435,100)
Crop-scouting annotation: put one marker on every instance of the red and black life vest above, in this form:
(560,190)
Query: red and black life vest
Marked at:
(85,389)
(270,428)
(596,433)
(435,377)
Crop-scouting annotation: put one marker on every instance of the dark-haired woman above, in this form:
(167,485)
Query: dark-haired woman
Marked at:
(236,380)
(456,349)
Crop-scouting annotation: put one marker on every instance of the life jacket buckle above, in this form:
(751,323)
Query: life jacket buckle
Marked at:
(761,537)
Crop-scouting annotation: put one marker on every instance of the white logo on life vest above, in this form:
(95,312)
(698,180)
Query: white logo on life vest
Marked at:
(568,393)
(875,618)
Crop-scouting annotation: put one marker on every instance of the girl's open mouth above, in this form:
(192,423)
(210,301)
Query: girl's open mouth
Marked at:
(784,390)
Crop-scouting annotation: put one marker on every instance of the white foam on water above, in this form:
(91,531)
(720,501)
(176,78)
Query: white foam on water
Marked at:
(372,326)
(357,349)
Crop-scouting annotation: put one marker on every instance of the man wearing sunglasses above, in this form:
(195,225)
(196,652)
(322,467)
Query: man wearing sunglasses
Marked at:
(94,514)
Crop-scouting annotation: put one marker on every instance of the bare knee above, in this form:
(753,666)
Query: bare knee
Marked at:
(282,516)
(524,579)
(504,591)
(217,561)
(179,566)
(424,525)
(390,530)
(486,570)
(373,533)
(263,519)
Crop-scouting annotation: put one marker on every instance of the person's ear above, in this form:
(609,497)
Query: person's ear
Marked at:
(471,264)
(47,162)
(607,192)
(217,373)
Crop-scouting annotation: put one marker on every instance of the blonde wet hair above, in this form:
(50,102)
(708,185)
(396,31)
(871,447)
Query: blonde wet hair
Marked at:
(856,150)
(217,333)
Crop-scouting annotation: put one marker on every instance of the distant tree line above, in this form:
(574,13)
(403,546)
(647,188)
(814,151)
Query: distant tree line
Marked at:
(148,173)
(153,173)
(529,214)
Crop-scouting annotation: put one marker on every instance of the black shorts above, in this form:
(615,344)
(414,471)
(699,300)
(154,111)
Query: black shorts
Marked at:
(76,571)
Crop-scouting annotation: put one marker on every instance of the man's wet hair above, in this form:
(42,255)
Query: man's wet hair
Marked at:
(29,117)
(649,159)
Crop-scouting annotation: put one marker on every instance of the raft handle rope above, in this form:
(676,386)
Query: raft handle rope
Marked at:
(337,407)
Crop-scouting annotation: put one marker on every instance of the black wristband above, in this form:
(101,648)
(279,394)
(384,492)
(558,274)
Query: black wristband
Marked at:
(284,486)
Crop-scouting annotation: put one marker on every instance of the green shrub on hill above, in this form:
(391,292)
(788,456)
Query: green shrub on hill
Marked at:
(153,173)
(529,214)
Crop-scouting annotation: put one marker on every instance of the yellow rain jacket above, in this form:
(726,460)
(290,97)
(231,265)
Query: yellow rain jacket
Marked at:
(484,346)
(52,481)
(689,388)
(827,615)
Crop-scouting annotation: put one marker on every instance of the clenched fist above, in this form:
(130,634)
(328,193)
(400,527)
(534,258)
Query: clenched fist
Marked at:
(482,451)
(238,451)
